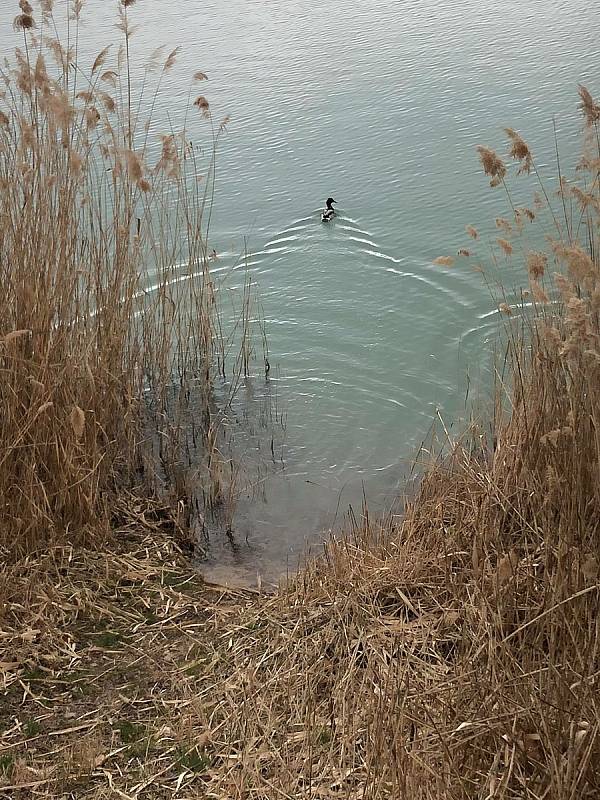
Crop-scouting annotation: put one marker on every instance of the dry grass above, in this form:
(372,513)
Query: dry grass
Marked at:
(417,659)
(107,653)
(110,321)
(452,654)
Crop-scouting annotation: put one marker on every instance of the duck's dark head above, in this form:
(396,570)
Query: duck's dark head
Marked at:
(329,201)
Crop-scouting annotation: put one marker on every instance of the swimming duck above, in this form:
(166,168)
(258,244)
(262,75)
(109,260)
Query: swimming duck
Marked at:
(329,213)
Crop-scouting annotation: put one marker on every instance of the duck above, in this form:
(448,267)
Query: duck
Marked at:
(329,213)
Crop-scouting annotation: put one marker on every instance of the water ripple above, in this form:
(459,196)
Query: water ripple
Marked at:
(370,338)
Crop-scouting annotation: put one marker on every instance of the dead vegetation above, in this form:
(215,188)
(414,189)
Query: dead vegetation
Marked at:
(451,654)
(111,324)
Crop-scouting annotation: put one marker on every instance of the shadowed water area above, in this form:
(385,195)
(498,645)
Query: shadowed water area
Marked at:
(380,105)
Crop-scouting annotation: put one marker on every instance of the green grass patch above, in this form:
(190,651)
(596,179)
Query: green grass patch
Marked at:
(173,579)
(31,728)
(141,748)
(194,759)
(33,674)
(323,736)
(6,765)
(199,657)
(130,731)
(108,639)
(196,669)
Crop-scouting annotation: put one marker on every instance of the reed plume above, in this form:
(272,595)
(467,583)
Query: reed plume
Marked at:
(590,109)
(520,151)
(492,164)
(89,355)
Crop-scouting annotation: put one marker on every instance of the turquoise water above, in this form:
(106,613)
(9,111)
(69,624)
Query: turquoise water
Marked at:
(380,104)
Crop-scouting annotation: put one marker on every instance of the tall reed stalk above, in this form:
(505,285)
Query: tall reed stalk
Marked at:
(109,315)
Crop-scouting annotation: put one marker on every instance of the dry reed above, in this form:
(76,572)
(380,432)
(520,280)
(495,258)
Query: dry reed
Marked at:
(109,318)
(453,653)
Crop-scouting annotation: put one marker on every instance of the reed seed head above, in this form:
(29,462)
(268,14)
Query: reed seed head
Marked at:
(202,105)
(536,264)
(586,199)
(75,163)
(60,55)
(100,59)
(564,286)
(171,59)
(110,77)
(506,246)
(578,319)
(77,9)
(41,78)
(134,165)
(527,212)
(23,22)
(520,151)
(492,164)
(578,260)
(590,109)
(77,420)
(539,294)
(108,102)
(92,117)
(169,158)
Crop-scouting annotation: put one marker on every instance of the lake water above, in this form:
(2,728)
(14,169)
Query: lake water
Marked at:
(380,104)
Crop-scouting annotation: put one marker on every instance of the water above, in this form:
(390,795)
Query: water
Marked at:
(380,104)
